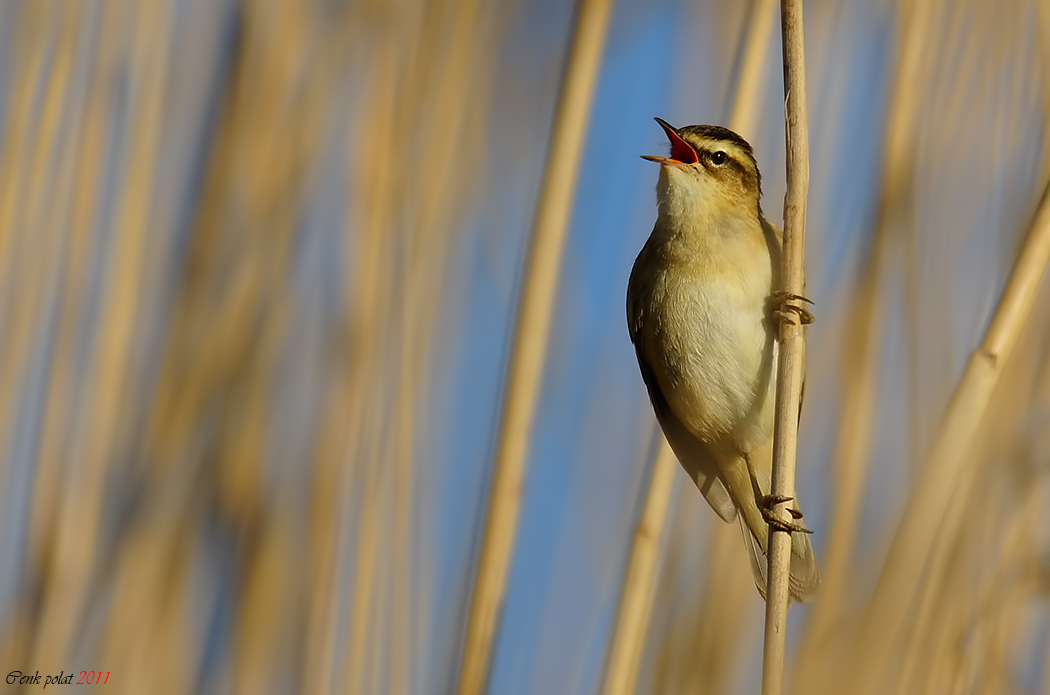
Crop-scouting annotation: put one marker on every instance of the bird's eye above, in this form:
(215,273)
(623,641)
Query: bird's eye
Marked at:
(719,158)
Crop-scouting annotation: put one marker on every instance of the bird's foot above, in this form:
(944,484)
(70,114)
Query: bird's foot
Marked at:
(785,310)
(766,504)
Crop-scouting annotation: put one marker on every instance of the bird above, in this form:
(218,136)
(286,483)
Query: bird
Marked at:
(702,311)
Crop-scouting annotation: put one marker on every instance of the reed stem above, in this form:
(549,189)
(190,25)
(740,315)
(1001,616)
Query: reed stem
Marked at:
(792,345)
(535,311)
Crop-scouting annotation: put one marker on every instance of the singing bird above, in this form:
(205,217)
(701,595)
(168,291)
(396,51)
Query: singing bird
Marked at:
(702,310)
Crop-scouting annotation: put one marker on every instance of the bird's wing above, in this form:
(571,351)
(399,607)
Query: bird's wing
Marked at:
(693,454)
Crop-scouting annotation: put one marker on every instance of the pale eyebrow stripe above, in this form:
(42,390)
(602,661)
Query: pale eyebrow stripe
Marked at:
(730,148)
(736,155)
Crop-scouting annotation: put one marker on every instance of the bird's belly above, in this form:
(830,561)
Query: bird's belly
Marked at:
(716,358)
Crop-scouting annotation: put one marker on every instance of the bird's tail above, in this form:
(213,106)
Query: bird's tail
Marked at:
(805,577)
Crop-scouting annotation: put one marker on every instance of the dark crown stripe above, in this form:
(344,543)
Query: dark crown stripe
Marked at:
(717,132)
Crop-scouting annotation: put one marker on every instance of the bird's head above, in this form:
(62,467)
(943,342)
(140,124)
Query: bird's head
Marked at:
(711,172)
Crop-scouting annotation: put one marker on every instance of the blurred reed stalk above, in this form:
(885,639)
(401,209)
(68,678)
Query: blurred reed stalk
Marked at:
(36,196)
(708,634)
(348,484)
(948,464)
(75,258)
(113,374)
(791,359)
(531,336)
(207,436)
(1042,42)
(636,597)
(632,616)
(430,64)
(861,369)
(955,609)
(971,583)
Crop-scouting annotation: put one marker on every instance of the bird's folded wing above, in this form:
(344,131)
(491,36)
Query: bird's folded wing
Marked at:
(691,452)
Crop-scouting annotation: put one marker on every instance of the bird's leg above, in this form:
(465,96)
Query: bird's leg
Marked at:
(755,487)
(780,303)
(766,503)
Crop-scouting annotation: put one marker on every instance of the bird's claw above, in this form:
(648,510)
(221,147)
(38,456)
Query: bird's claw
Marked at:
(787,312)
(766,504)
(784,295)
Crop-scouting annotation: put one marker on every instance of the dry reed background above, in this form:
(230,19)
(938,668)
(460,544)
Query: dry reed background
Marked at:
(258,267)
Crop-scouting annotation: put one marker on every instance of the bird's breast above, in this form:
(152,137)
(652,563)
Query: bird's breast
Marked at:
(711,347)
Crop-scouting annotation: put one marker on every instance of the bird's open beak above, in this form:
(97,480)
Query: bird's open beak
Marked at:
(681,151)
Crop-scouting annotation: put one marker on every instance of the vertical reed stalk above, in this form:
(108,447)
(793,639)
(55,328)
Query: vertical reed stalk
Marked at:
(532,329)
(454,88)
(632,621)
(790,364)
(743,117)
